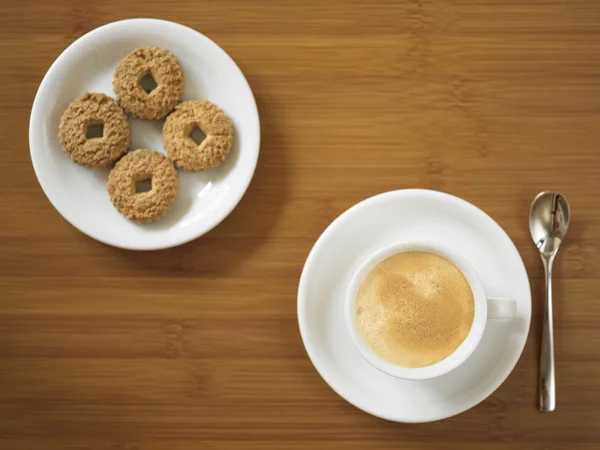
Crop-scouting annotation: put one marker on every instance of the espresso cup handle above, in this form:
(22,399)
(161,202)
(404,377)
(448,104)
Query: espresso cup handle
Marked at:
(501,308)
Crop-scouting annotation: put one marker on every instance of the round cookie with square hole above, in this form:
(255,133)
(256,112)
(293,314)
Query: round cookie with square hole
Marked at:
(94,131)
(197,136)
(149,82)
(143,185)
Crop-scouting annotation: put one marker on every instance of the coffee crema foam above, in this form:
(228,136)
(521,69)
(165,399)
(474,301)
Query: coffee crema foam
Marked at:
(414,309)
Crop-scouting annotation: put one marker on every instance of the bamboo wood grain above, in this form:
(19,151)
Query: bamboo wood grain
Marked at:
(198,346)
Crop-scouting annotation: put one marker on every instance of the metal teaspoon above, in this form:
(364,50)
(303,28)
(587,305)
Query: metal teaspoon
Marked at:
(549,218)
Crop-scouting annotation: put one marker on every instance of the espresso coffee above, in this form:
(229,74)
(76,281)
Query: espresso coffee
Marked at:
(414,309)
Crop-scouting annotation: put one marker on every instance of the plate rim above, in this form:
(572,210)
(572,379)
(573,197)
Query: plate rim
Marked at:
(301,295)
(37,112)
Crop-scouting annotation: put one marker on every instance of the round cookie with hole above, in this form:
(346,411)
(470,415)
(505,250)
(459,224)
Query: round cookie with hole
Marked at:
(197,136)
(143,185)
(149,82)
(94,131)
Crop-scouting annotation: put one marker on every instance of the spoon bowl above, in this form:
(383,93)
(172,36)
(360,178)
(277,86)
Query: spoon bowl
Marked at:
(549,219)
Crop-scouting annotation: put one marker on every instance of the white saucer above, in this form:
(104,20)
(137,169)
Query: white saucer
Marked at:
(411,215)
(80,194)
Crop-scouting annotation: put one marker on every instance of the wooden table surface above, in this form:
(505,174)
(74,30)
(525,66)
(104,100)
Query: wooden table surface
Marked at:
(198,346)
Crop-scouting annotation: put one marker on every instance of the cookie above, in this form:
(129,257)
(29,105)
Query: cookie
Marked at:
(94,131)
(183,150)
(141,165)
(149,83)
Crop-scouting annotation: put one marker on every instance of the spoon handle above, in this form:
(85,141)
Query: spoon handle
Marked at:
(547,386)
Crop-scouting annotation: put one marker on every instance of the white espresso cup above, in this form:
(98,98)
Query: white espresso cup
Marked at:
(485,308)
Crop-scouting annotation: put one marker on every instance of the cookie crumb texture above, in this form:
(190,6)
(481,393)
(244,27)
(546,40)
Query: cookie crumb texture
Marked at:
(94,109)
(166,71)
(181,148)
(139,165)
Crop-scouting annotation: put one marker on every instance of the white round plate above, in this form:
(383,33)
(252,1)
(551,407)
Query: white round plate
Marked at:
(406,215)
(80,194)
